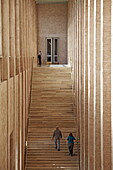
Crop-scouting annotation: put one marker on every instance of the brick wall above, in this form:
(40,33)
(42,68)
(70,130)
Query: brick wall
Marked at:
(52,22)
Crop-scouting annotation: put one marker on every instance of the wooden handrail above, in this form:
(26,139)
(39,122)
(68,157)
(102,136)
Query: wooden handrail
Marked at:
(28,110)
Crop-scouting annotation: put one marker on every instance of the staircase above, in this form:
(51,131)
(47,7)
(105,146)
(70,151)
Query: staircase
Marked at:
(51,106)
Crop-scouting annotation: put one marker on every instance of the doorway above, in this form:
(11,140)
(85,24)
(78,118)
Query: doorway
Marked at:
(52,50)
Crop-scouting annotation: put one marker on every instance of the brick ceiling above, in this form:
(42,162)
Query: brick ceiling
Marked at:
(50,1)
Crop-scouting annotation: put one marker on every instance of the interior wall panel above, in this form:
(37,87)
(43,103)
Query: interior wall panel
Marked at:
(107,84)
(0,28)
(98,99)
(14,85)
(112,83)
(91,126)
(3,126)
(95,89)
(16,122)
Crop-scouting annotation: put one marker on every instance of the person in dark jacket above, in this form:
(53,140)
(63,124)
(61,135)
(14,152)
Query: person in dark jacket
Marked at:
(71,139)
(57,135)
(39,58)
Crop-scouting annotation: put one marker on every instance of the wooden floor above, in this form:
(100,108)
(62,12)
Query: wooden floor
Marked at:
(51,106)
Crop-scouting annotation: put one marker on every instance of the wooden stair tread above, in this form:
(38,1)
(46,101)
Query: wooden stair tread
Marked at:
(51,168)
(51,106)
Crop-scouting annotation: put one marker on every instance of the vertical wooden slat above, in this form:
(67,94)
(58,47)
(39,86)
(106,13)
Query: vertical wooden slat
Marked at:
(12,36)
(5,27)
(17,28)
(0,28)
(0,40)
(101,84)
(12,27)
(97,107)
(82,92)
(112,83)
(89,79)
(94,69)
(107,84)
(91,142)
(5,36)
(86,85)
(13,15)
(3,126)
(21,28)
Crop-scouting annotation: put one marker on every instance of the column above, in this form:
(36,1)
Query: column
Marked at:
(98,88)
(107,84)
(0,28)
(0,41)
(82,92)
(91,116)
(5,27)
(12,36)
(89,78)
(21,27)
(86,84)
(17,28)
(5,36)
(12,27)
(101,83)
(112,82)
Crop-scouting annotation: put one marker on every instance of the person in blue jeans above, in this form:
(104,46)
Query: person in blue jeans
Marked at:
(71,139)
(57,135)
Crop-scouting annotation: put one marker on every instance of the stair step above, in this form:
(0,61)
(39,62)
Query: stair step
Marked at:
(51,168)
(51,106)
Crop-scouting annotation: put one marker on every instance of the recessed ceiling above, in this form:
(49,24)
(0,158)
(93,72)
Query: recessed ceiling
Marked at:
(50,1)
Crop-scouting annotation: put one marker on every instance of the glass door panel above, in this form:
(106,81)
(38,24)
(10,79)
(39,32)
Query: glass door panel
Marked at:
(52,50)
(49,50)
(55,50)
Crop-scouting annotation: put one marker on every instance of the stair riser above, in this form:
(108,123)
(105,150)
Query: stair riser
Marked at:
(51,106)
